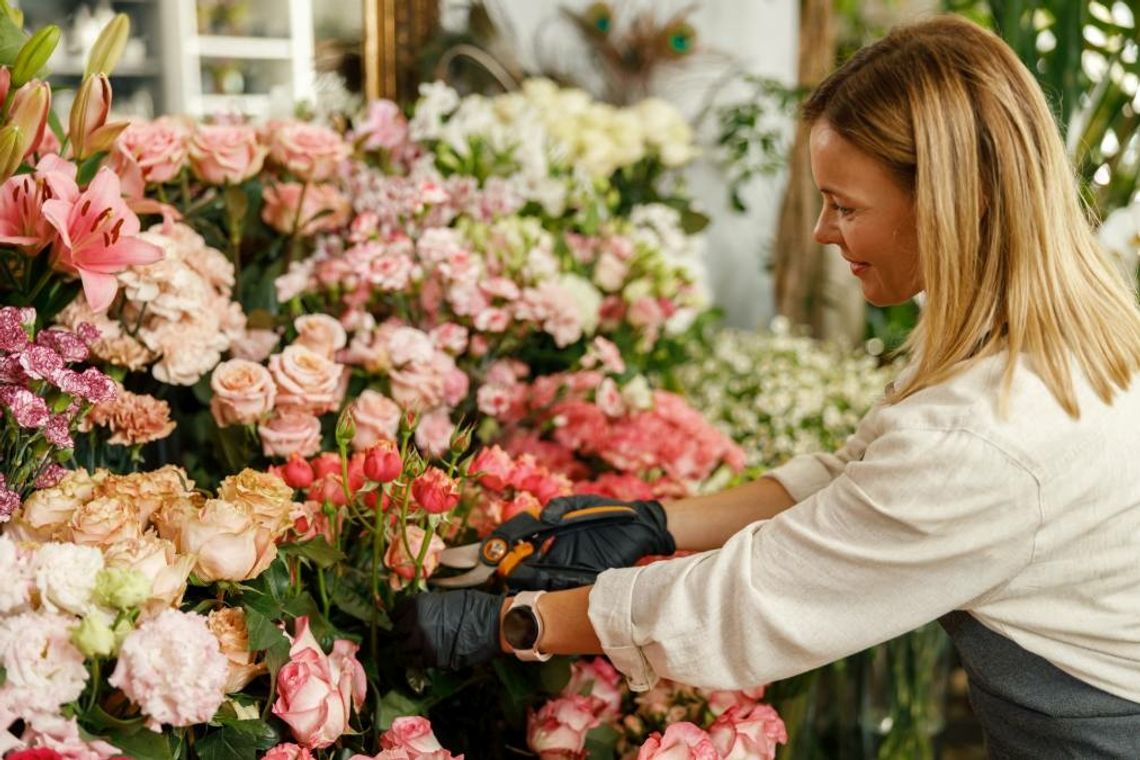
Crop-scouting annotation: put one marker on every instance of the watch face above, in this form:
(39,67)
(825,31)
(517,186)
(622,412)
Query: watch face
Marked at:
(520,628)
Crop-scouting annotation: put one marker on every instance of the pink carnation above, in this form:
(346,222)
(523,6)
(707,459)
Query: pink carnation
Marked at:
(172,667)
(44,669)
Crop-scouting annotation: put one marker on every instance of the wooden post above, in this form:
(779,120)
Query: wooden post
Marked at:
(395,32)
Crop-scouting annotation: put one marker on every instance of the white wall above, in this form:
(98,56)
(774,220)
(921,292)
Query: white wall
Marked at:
(758,35)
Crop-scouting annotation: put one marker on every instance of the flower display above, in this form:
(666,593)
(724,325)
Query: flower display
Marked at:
(256,378)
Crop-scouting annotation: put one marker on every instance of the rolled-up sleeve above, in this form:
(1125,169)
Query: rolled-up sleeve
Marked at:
(805,474)
(927,521)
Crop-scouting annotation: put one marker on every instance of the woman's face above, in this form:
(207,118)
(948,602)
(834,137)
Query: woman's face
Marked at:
(869,215)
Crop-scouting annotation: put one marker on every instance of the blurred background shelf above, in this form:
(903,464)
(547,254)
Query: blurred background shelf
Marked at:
(196,57)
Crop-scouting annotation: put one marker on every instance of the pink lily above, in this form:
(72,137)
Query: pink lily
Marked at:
(22,222)
(97,238)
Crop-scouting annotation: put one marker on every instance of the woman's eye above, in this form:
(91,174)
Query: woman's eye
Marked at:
(842,210)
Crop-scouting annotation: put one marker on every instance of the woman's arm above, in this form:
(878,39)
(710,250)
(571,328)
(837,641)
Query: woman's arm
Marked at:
(705,522)
(566,626)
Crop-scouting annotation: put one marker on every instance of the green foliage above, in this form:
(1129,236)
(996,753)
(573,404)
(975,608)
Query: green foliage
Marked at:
(1085,56)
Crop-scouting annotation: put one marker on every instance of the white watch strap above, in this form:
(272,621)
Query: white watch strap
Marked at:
(530,599)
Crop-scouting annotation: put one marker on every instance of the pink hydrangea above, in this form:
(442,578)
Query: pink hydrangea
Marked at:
(172,667)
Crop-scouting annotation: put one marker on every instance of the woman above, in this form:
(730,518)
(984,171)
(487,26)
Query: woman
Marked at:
(994,488)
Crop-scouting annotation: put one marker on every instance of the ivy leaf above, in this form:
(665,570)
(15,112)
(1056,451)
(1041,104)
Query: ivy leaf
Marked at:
(228,743)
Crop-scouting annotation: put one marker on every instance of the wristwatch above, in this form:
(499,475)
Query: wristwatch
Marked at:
(522,626)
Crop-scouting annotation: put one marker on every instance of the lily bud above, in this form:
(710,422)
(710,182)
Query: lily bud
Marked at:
(35,53)
(11,151)
(29,112)
(5,82)
(87,125)
(108,48)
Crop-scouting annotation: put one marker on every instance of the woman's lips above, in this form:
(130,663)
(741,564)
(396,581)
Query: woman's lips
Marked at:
(857,267)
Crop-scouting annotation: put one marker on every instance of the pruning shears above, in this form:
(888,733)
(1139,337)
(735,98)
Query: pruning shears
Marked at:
(543,540)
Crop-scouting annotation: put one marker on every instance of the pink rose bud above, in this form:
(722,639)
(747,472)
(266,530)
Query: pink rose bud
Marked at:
(297,473)
(325,464)
(382,462)
(559,728)
(435,491)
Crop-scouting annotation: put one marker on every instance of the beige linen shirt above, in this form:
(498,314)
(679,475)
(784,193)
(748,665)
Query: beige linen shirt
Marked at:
(1030,522)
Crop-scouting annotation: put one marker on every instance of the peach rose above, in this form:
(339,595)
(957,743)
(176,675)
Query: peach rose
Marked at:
(174,512)
(225,153)
(46,512)
(244,391)
(157,559)
(322,208)
(321,333)
(290,433)
(229,628)
(377,417)
(267,497)
(254,344)
(104,522)
(310,152)
(401,559)
(306,380)
(159,148)
(227,541)
(147,491)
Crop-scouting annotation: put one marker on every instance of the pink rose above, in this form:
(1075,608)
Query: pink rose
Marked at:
(306,380)
(682,741)
(599,679)
(290,433)
(401,558)
(410,733)
(493,467)
(377,418)
(433,434)
(255,345)
(417,386)
(158,148)
(225,153)
(308,151)
(435,491)
(748,732)
(287,751)
(244,391)
(322,208)
(317,693)
(321,333)
(449,337)
(722,699)
(558,730)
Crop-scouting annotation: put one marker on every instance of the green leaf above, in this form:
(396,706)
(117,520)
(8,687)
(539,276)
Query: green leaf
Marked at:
(228,743)
(601,743)
(262,733)
(693,222)
(143,744)
(88,168)
(317,550)
(3,675)
(263,633)
(395,705)
(352,601)
(554,674)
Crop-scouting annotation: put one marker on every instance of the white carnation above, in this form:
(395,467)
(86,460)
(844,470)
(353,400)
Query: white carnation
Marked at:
(65,577)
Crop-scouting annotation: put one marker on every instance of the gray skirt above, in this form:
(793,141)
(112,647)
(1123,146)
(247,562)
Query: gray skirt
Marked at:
(1031,710)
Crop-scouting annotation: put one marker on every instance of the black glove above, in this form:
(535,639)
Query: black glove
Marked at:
(575,543)
(451,629)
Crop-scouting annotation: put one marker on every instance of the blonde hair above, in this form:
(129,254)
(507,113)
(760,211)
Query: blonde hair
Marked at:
(1007,254)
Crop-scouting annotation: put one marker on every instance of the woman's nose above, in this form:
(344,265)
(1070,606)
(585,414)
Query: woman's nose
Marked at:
(824,232)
